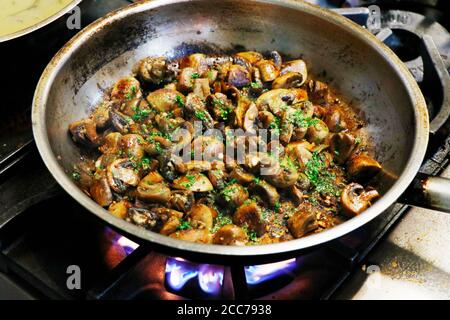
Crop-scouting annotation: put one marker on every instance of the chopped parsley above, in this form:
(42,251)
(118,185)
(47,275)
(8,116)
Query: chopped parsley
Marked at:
(195,76)
(130,95)
(76,176)
(275,125)
(140,114)
(277,206)
(252,236)
(298,119)
(322,180)
(179,101)
(257,180)
(184,225)
(357,140)
(190,182)
(200,114)
(255,85)
(221,220)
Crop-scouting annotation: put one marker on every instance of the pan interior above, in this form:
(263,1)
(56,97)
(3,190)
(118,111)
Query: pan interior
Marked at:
(348,62)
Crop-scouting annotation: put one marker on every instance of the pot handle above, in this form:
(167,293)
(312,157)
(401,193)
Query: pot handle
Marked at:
(428,192)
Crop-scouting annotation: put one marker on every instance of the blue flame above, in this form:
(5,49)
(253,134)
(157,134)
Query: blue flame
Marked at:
(210,278)
(179,272)
(260,273)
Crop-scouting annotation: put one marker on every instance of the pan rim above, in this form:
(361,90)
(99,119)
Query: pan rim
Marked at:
(409,171)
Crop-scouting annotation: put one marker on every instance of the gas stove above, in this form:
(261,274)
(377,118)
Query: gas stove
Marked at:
(44,234)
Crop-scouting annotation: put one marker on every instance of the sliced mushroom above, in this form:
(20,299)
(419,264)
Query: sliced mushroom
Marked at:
(111,143)
(288,80)
(186,79)
(85,133)
(157,145)
(170,164)
(242,106)
(354,199)
(152,189)
(250,215)
(230,234)
(195,182)
(317,132)
(201,216)
(144,218)
(250,118)
(101,192)
(317,91)
(201,88)
(241,176)
(182,137)
(363,168)
(266,191)
(219,106)
(217,174)
(100,115)
(169,220)
(342,145)
(126,89)
(234,195)
(182,200)
(298,66)
(303,221)
(193,235)
(198,61)
(285,176)
(133,146)
(121,175)
(120,208)
(197,108)
(296,195)
(167,123)
(157,70)
(335,121)
(300,152)
(268,70)
(276,58)
(209,147)
(239,76)
(120,121)
(275,100)
(251,56)
(165,100)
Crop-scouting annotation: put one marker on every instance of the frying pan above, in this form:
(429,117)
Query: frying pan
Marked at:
(355,62)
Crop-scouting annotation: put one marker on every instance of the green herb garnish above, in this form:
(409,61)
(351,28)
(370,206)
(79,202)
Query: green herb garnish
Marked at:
(179,101)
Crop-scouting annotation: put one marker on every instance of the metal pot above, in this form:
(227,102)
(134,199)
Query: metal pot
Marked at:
(359,65)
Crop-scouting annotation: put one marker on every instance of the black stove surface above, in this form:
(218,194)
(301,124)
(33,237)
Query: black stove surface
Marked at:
(43,231)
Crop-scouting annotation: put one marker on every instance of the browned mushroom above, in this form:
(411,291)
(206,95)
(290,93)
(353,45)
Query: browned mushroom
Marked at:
(165,100)
(126,89)
(100,115)
(121,175)
(197,108)
(201,88)
(133,146)
(120,121)
(101,192)
(196,182)
(120,208)
(230,234)
(144,218)
(250,215)
(335,121)
(342,145)
(219,106)
(250,118)
(268,70)
(250,56)
(275,100)
(156,145)
(234,195)
(217,174)
(169,220)
(285,176)
(288,80)
(198,61)
(303,221)
(157,70)
(193,235)
(153,189)
(111,143)
(239,76)
(186,79)
(201,216)
(317,91)
(210,148)
(317,132)
(300,152)
(354,199)
(182,200)
(85,132)
(362,167)
(241,176)
(266,191)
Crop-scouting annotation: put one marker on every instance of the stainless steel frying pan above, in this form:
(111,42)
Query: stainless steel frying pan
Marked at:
(355,62)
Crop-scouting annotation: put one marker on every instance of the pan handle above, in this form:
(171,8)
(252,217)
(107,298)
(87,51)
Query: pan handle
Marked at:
(428,192)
